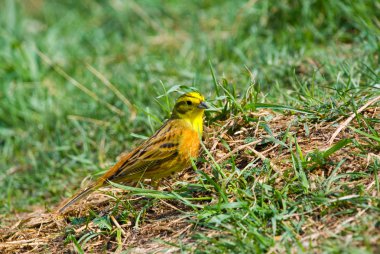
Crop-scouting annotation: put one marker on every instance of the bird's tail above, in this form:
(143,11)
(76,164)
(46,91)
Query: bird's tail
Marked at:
(77,197)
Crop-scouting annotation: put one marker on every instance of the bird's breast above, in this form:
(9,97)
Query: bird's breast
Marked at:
(189,145)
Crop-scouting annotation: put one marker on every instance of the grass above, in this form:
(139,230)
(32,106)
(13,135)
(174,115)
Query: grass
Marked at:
(81,82)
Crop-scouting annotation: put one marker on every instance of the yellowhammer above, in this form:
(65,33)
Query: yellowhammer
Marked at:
(169,150)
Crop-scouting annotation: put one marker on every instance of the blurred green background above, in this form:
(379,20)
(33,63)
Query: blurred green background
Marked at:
(52,133)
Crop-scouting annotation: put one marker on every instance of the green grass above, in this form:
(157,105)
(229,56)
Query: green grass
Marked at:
(60,123)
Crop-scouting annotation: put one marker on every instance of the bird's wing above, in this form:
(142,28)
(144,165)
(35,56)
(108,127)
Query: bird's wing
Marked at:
(161,147)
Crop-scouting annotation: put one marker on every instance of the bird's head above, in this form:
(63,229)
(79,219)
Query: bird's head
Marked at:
(190,107)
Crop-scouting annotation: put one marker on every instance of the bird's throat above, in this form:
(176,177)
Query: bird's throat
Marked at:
(197,123)
(195,120)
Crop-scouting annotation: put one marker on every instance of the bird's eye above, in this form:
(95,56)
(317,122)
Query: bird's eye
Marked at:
(189,103)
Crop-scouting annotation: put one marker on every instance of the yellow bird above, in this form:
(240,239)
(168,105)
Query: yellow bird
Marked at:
(169,150)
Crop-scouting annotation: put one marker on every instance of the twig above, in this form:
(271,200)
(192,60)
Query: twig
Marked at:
(348,120)
(88,119)
(108,84)
(172,206)
(84,89)
(144,16)
(263,158)
(34,241)
(270,149)
(239,148)
(118,225)
(182,231)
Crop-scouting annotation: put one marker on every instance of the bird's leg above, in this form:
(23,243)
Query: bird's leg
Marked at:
(154,183)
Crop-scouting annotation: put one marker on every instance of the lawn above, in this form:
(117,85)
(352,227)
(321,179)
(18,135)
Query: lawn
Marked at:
(290,158)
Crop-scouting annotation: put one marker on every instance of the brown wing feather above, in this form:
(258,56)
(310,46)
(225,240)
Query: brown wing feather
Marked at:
(161,147)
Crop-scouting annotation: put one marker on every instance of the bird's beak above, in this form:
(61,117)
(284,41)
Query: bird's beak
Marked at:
(202,105)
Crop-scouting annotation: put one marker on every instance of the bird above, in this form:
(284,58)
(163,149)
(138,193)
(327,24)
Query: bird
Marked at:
(170,149)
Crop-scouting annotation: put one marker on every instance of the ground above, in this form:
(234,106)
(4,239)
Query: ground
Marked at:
(290,160)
